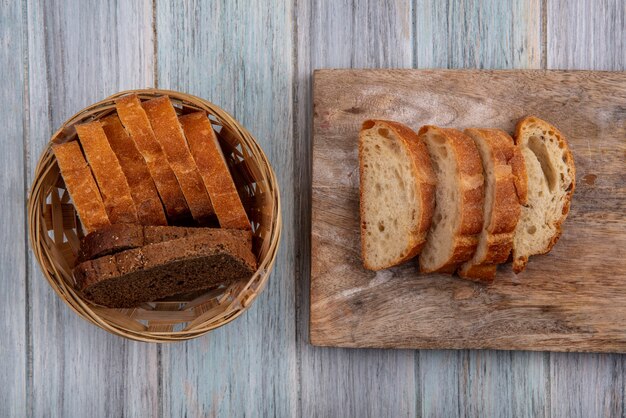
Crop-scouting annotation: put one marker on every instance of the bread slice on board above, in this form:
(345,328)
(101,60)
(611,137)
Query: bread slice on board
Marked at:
(142,188)
(108,173)
(397,185)
(120,237)
(209,158)
(550,179)
(154,271)
(136,122)
(501,204)
(81,185)
(169,134)
(458,216)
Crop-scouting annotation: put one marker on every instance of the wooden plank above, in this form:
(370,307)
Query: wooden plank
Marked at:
(13,347)
(478,34)
(345,34)
(238,55)
(81,52)
(570,300)
(586,34)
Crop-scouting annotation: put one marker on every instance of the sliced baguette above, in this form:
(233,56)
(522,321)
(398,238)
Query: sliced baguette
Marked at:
(550,179)
(213,169)
(154,271)
(81,185)
(120,237)
(142,188)
(169,134)
(108,173)
(458,216)
(136,122)
(397,186)
(501,204)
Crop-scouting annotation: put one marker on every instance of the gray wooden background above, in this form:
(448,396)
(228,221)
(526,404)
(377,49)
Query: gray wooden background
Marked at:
(255,59)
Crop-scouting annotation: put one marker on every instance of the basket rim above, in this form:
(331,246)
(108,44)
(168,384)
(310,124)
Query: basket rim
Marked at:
(77,304)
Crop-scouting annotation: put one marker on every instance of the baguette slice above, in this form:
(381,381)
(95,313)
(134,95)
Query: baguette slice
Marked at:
(169,134)
(142,188)
(108,173)
(120,237)
(550,179)
(458,217)
(136,122)
(155,271)
(501,204)
(81,185)
(397,193)
(211,163)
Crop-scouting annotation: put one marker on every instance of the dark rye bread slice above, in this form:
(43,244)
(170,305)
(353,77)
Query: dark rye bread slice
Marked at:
(119,237)
(155,271)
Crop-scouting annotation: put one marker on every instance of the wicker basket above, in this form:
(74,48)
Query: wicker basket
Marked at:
(55,231)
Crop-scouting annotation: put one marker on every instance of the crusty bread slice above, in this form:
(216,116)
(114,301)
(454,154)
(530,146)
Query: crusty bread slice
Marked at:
(108,173)
(501,204)
(81,185)
(120,237)
(136,122)
(397,193)
(213,169)
(550,180)
(142,188)
(154,271)
(458,216)
(169,134)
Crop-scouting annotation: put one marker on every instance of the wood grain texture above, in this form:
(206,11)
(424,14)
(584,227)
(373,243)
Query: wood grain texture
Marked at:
(491,34)
(237,54)
(570,300)
(79,53)
(591,35)
(345,34)
(584,34)
(13,344)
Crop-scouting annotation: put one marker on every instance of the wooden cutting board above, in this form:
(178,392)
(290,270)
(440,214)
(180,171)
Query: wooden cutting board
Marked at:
(573,299)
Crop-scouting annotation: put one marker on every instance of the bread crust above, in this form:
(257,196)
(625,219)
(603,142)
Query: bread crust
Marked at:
(81,185)
(425,187)
(142,188)
(170,136)
(214,172)
(505,207)
(136,122)
(519,262)
(108,173)
(470,177)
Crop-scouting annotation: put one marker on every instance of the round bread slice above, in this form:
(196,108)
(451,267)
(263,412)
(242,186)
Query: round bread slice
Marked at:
(549,178)
(501,204)
(397,186)
(458,216)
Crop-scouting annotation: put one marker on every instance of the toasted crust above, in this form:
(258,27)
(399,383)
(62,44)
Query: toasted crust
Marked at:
(142,188)
(136,122)
(470,179)
(81,185)
(425,188)
(214,172)
(108,173)
(496,239)
(169,134)
(519,262)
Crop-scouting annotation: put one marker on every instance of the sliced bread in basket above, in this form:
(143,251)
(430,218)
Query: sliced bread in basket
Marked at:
(397,187)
